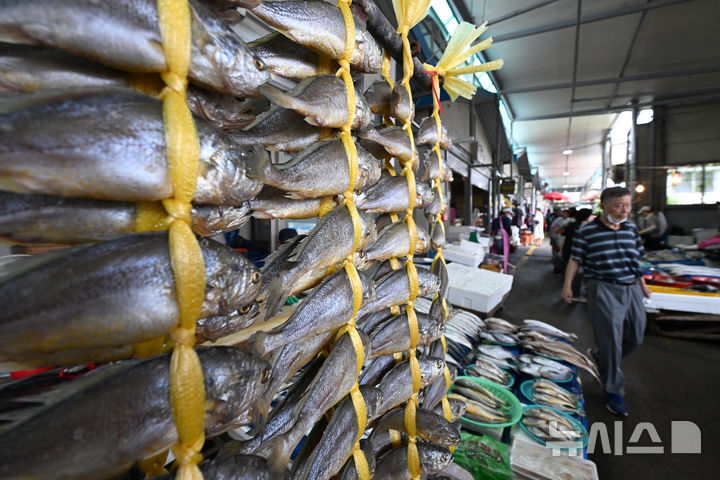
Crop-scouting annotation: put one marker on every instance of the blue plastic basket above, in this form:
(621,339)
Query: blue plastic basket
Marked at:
(579,426)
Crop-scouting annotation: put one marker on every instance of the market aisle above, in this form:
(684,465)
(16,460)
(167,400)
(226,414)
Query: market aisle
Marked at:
(667,380)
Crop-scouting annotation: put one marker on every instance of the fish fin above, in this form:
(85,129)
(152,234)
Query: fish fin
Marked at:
(260,412)
(280,451)
(316,120)
(295,196)
(277,292)
(278,97)
(259,166)
(257,344)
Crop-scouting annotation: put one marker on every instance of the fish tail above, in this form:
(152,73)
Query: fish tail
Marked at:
(280,454)
(260,412)
(259,166)
(278,97)
(277,292)
(258,344)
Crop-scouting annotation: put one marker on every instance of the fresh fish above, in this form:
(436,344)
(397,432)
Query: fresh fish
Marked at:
(497,376)
(394,289)
(323,102)
(30,218)
(378,96)
(401,105)
(349,472)
(496,351)
(70,435)
(565,352)
(327,244)
(25,69)
(561,404)
(500,337)
(547,329)
(552,388)
(500,325)
(504,364)
(394,465)
(275,261)
(319,171)
(391,195)
(126,35)
(110,294)
(427,134)
(457,409)
(282,130)
(211,329)
(396,385)
(334,380)
(395,141)
(285,58)
(273,203)
(285,363)
(430,426)
(394,335)
(376,369)
(235,467)
(327,308)
(110,145)
(393,241)
(536,370)
(338,441)
(320,27)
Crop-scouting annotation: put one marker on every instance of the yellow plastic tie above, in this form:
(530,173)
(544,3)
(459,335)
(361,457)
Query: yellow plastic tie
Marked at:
(361,463)
(360,410)
(326,204)
(151,217)
(395,438)
(154,466)
(410,419)
(356,286)
(415,372)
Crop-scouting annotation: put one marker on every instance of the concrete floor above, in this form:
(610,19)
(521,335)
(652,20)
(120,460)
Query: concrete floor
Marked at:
(666,380)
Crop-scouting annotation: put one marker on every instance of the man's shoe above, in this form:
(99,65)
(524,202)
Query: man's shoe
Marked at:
(615,404)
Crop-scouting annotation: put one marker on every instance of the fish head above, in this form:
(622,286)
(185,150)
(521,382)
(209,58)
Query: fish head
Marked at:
(430,369)
(370,164)
(213,328)
(428,282)
(234,281)
(223,179)
(429,328)
(234,379)
(368,234)
(378,97)
(368,287)
(433,458)
(422,244)
(363,114)
(208,220)
(425,194)
(457,407)
(373,400)
(367,56)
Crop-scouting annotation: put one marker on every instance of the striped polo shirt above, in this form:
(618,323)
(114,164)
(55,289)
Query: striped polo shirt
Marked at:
(607,254)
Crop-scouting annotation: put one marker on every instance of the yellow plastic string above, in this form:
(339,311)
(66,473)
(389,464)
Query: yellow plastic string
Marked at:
(326,204)
(187,385)
(150,217)
(154,466)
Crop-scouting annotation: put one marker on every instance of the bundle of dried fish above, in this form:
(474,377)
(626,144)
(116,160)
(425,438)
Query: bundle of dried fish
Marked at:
(563,351)
(550,426)
(481,404)
(546,392)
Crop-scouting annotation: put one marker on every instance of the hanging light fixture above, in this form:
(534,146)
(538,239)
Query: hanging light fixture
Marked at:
(566,172)
(640,188)
(567,151)
(675,178)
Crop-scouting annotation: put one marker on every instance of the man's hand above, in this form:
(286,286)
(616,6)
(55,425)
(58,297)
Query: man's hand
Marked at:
(570,271)
(645,289)
(567,294)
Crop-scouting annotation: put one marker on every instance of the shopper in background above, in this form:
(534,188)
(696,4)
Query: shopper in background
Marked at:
(538,226)
(654,231)
(556,231)
(609,249)
(501,224)
(518,216)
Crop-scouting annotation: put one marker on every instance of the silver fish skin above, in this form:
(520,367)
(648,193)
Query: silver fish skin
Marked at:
(457,409)
(110,294)
(427,134)
(275,261)
(327,244)
(320,27)
(434,393)
(393,289)
(338,441)
(328,307)
(376,369)
(285,58)
(110,145)
(70,436)
(26,69)
(273,203)
(334,380)
(393,241)
(396,385)
(430,426)
(210,220)
(378,96)
(391,196)
(126,35)
(434,207)
(437,235)
(394,335)
(285,363)
(395,141)
(401,105)
(349,472)
(234,467)
(432,169)
(322,99)
(393,465)
(211,329)
(318,171)
(283,130)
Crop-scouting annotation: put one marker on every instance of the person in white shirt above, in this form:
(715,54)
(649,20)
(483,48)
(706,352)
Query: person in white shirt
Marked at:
(655,228)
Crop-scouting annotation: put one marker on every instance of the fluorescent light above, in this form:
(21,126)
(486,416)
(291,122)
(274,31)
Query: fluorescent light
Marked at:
(566,173)
(565,186)
(567,151)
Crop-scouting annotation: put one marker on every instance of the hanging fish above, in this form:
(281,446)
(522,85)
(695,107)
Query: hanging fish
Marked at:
(391,195)
(285,58)
(427,134)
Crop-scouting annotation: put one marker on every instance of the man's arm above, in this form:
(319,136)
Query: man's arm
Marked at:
(646,290)
(570,271)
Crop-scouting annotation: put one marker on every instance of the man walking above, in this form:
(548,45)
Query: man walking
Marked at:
(609,249)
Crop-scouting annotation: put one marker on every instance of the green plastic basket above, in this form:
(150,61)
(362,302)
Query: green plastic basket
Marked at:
(515,409)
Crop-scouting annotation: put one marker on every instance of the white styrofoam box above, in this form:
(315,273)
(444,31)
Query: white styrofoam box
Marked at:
(484,241)
(473,247)
(455,253)
(533,460)
(683,303)
(476,289)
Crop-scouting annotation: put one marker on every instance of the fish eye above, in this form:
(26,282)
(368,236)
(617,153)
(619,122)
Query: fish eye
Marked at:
(245,309)
(259,64)
(361,254)
(265,376)
(256,277)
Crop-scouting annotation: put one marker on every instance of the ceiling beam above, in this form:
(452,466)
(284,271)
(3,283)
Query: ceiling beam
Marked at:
(600,111)
(520,11)
(594,17)
(659,93)
(603,81)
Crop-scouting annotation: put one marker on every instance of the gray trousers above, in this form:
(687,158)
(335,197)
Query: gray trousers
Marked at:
(618,319)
